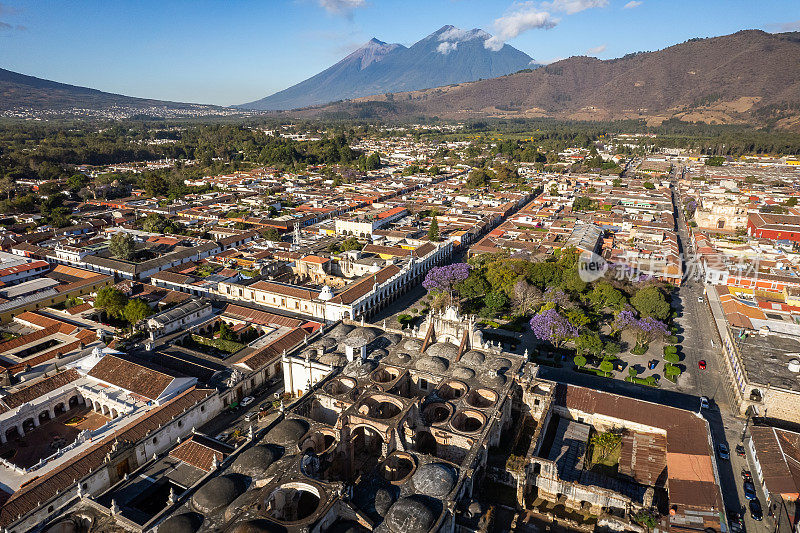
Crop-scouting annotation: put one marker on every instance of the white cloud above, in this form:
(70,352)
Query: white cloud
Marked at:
(446,47)
(597,50)
(458,35)
(570,7)
(341,7)
(632,4)
(524,19)
(782,27)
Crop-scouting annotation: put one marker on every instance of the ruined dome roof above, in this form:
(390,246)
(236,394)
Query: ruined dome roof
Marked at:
(333,359)
(326,342)
(217,493)
(402,357)
(378,353)
(462,372)
(492,378)
(255,460)
(473,358)
(383,501)
(393,338)
(361,336)
(432,364)
(287,432)
(447,350)
(340,331)
(435,479)
(501,364)
(412,345)
(359,368)
(413,514)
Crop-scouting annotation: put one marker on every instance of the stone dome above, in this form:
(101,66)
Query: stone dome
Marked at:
(68,526)
(447,350)
(413,514)
(217,493)
(257,526)
(432,364)
(378,353)
(393,338)
(492,378)
(359,368)
(462,372)
(413,345)
(254,461)
(327,342)
(473,358)
(333,359)
(501,364)
(361,336)
(402,357)
(435,479)
(383,501)
(288,432)
(340,331)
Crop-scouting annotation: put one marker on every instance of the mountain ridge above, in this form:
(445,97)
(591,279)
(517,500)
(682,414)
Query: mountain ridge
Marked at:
(448,55)
(747,77)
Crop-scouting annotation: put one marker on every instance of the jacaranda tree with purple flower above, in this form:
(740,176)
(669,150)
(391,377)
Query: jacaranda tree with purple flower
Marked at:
(444,278)
(550,326)
(556,296)
(625,319)
(649,329)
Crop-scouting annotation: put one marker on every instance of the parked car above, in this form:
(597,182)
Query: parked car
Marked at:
(704,403)
(252,415)
(749,490)
(723,451)
(735,522)
(700,299)
(755,510)
(247,400)
(652,364)
(747,476)
(702,364)
(740,450)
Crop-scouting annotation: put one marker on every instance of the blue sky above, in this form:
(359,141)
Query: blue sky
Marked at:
(235,51)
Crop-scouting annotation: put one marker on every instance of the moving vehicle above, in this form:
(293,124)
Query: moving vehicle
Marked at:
(701,364)
(740,450)
(247,400)
(755,510)
(723,451)
(749,490)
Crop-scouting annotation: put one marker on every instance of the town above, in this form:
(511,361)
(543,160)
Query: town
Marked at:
(448,333)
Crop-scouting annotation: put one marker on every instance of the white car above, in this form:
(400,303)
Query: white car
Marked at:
(704,403)
(700,299)
(247,400)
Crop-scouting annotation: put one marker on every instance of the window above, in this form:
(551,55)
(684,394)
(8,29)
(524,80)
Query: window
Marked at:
(180,423)
(202,408)
(155,440)
(423,384)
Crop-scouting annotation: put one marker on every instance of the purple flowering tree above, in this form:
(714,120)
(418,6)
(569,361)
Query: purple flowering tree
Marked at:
(625,319)
(556,296)
(552,327)
(443,278)
(649,329)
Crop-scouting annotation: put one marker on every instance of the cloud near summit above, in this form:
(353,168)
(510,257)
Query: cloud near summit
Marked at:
(535,15)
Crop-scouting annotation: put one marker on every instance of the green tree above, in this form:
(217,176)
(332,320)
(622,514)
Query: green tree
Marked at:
(650,301)
(373,161)
(579,360)
(589,343)
(582,203)
(351,243)
(495,302)
(111,300)
(632,371)
(122,246)
(433,231)
(136,310)
(272,235)
(477,178)
(606,442)
(648,185)
(226,333)
(606,366)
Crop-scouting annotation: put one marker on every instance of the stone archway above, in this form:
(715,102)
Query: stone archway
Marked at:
(44,416)
(12,433)
(106,411)
(60,409)
(366,450)
(28,425)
